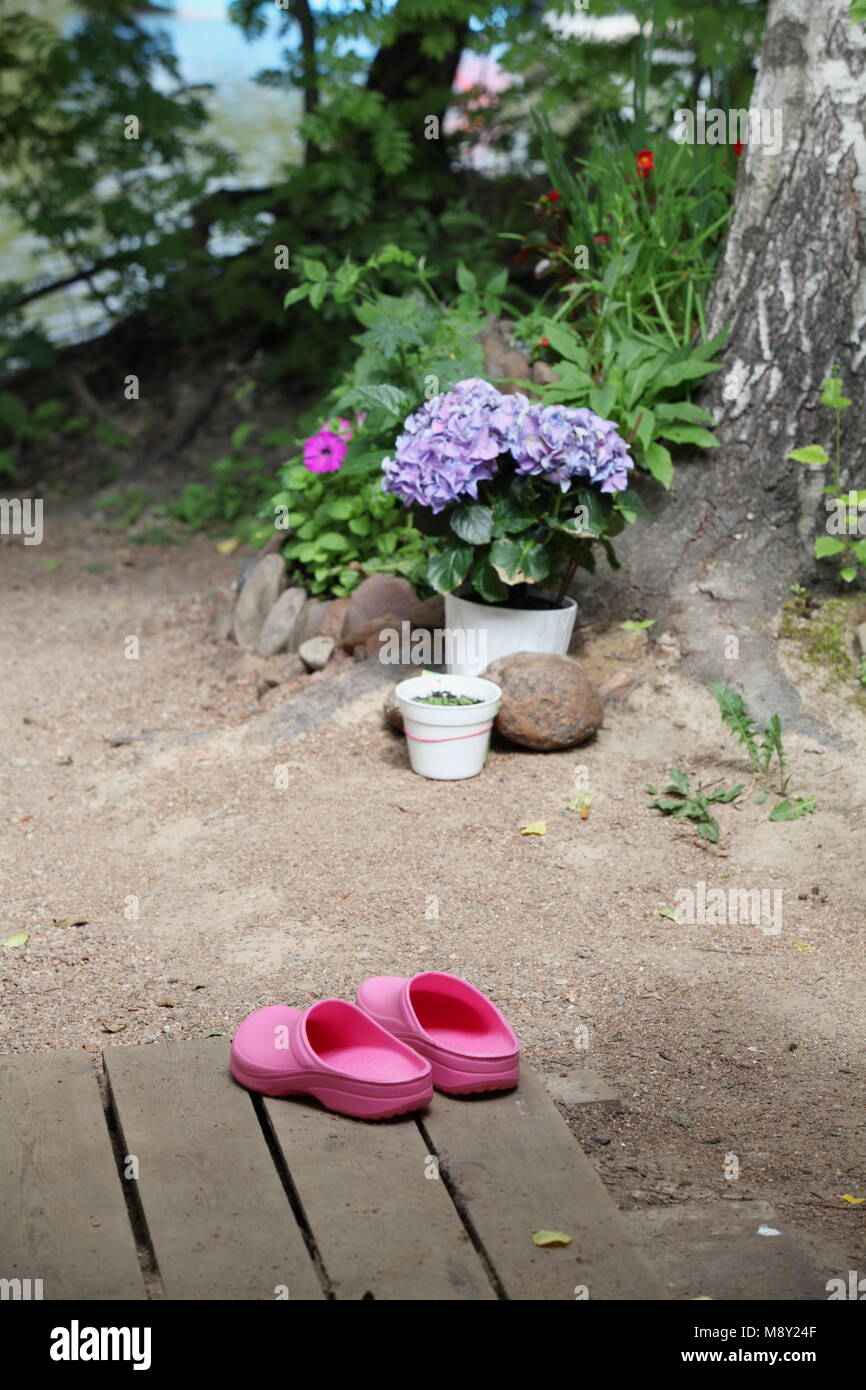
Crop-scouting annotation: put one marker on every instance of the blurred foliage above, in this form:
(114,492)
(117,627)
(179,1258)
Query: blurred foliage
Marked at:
(145,222)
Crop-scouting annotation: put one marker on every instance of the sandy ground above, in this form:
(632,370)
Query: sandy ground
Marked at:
(139,795)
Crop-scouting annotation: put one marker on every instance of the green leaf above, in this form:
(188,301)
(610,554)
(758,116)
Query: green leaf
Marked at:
(668,806)
(632,624)
(679,780)
(848,574)
(669,912)
(318,291)
(688,434)
(332,541)
(509,517)
(738,718)
(473,523)
(810,453)
(393,399)
(828,545)
(709,829)
(683,371)
(507,555)
(19,939)
(313,270)
(566,342)
(298,293)
(602,400)
(725,796)
(241,434)
(659,462)
(487,584)
(447,569)
(682,410)
(794,809)
(465,278)
(831,393)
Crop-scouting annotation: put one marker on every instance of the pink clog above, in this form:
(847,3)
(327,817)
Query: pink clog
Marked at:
(333,1051)
(464,1037)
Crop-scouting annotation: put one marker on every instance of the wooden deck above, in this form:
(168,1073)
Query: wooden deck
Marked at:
(169,1181)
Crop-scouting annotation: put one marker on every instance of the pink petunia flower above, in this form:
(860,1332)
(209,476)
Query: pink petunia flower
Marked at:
(324,452)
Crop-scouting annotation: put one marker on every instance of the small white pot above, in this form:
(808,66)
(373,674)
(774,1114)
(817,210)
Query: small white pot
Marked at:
(448,742)
(488,631)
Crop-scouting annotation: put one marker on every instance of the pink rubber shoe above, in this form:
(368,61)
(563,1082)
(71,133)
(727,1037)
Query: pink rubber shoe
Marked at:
(332,1051)
(464,1037)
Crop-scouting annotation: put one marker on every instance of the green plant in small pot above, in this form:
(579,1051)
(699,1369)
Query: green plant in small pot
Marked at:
(521,495)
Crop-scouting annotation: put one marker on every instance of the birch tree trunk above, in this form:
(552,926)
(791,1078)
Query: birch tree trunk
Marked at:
(736,530)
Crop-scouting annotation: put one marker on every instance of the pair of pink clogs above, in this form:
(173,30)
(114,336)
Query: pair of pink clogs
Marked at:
(382,1055)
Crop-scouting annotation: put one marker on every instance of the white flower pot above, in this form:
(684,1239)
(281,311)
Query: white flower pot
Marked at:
(489,631)
(448,742)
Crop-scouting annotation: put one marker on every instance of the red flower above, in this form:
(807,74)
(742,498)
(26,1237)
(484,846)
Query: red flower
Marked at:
(553,196)
(645,163)
(738,148)
(603,238)
(544,342)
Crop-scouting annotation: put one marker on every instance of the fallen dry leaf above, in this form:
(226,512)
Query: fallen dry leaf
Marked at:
(551,1240)
(69,921)
(852,1201)
(805,946)
(113,1027)
(534,827)
(227,547)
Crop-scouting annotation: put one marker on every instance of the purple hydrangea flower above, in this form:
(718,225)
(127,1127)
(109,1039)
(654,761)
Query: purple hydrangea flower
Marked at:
(450,445)
(561,444)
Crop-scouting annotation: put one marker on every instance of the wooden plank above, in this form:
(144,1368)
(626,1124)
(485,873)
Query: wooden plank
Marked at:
(218,1216)
(382,1226)
(62,1212)
(516,1168)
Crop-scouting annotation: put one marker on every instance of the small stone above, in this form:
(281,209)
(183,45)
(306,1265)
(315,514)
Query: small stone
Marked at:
(377,596)
(616,686)
(860,639)
(602,1138)
(257,598)
(503,359)
(333,621)
(281,622)
(221,603)
(543,374)
(372,634)
(309,623)
(547,701)
(165,1003)
(17,762)
(316,652)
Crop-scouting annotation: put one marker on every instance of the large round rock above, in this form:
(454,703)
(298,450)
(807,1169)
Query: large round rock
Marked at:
(547,701)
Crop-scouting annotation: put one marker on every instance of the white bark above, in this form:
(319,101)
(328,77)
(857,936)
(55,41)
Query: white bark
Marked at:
(736,530)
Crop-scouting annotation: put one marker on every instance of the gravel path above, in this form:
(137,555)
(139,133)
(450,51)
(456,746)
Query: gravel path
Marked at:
(212,873)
